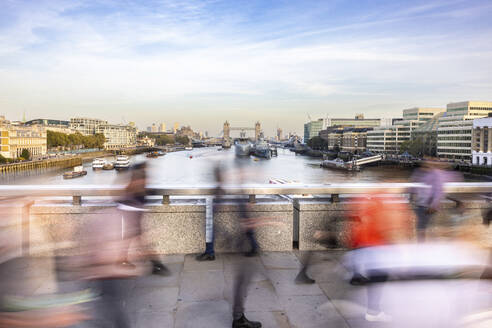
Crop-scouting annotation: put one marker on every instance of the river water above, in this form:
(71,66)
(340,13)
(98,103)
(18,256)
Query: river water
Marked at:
(196,167)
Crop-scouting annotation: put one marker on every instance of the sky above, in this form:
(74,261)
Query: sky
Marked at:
(200,63)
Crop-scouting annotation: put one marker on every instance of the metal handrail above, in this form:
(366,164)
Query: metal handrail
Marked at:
(246,189)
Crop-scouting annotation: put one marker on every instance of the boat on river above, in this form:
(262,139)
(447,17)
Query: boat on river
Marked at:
(122,162)
(108,167)
(77,172)
(262,149)
(243,147)
(340,164)
(98,163)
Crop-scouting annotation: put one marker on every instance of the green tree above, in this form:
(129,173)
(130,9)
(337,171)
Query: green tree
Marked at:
(415,147)
(184,140)
(3,160)
(25,154)
(164,140)
(317,143)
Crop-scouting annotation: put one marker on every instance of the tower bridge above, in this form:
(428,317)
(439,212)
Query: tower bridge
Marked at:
(242,132)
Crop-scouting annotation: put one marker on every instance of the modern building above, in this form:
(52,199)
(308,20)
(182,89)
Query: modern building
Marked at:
(388,139)
(52,125)
(162,127)
(482,141)
(118,136)
(86,126)
(454,135)
(428,135)
(312,129)
(357,122)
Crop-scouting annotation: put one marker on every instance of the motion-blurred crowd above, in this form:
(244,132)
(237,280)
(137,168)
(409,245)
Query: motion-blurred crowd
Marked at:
(420,236)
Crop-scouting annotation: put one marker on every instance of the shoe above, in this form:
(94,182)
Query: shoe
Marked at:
(205,257)
(380,317)
(252,253)
(302,278)
(160,269)
(245,323)
(358,280)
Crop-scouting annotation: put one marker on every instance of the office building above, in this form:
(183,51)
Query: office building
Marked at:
(52,125)
(118,136)
(427,133)
(354,140)
(454,135)
(312,129)
(357,122)
(86,126)
(162,127)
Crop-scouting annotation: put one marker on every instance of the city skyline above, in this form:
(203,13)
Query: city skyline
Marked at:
(205,62)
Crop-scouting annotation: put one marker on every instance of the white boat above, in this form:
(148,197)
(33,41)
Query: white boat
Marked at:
(243,147)
(188,148)
(98,163)
(122,162)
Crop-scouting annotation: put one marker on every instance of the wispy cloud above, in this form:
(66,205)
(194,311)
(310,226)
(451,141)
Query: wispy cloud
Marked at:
(61,57)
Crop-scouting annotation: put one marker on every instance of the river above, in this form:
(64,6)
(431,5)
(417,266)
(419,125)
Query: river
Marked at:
(196,167)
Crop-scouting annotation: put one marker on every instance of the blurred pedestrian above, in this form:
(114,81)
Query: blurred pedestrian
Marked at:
(210,210)
(427,199)
(132,209)
(378,220)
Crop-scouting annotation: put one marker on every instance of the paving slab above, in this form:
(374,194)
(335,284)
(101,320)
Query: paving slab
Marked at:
(311,312)
(235,264)
(280,260)
(208,314)
(275,319)
(154,280)
(153,299)
(261,296)
(146,319)
(201,286)
(283,281)
(191,264)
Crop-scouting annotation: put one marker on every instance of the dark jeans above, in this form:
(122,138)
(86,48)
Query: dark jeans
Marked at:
(423,219)
(243,278)
(250,234)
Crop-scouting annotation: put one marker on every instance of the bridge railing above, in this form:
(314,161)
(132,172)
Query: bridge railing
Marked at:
(251,190)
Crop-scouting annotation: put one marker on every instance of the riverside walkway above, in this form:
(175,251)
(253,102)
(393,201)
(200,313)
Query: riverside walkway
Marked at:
(198,294)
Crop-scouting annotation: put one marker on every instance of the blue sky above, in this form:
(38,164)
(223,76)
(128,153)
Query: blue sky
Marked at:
(202,62)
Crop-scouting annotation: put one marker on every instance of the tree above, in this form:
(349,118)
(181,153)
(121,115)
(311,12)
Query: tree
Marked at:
(162,140)
(415,147)
(317,143)
(3,160)
(184,140)
(25,154)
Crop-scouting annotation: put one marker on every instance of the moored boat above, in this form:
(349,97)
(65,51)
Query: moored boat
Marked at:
(108,166)
(98,163)
(262,149)
(122,162)
(242,147)
(78,171)
(339,163)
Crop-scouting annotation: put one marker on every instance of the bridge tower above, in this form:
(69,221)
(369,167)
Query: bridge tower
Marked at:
(227,135)
(257,130)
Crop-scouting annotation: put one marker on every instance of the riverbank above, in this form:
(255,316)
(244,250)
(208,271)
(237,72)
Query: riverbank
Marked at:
(41,165)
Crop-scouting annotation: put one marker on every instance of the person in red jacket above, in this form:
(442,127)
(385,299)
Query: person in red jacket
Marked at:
(377,220)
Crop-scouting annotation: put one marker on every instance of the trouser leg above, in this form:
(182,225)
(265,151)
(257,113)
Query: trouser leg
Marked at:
(375,291)
(241,283)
